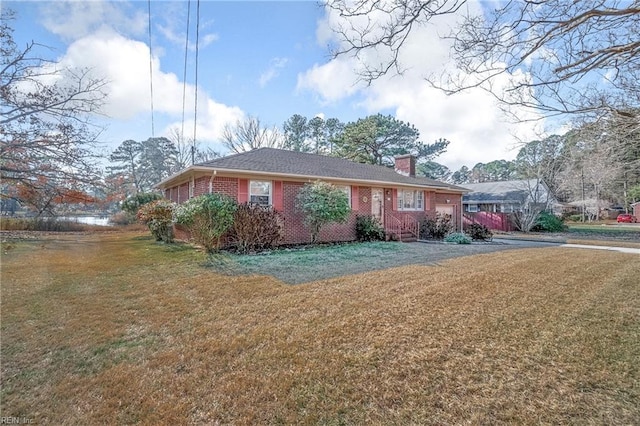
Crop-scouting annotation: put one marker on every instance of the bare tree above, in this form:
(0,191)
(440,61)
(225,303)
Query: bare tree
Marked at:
(383,27)
(248,134)
(563,57)
(187,152)
(535,198)
(46,137)
(543,159)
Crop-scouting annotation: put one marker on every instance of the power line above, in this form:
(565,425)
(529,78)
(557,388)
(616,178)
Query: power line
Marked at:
(195,110)
(184,75)
(153,133)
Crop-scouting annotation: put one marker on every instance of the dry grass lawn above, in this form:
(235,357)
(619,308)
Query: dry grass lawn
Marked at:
(115,329)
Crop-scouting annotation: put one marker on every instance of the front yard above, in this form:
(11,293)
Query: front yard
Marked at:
(306,264)
(115,328)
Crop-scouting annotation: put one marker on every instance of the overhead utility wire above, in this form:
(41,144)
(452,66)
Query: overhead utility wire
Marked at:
(184,75)
(195,112)
(151,71)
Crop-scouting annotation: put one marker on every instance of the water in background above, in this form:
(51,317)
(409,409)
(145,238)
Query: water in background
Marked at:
(88,220)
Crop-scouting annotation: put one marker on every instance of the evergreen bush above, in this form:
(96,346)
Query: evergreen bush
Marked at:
(368,228)
(133,203)
(322,203)
(548,222)
(436,228)
(207,217)
(478,232)
(458,238)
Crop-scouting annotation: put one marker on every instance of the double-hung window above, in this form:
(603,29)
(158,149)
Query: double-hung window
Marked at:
(260,192)
(410,200)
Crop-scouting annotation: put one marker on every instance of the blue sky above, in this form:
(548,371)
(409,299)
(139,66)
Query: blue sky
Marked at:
(262,58)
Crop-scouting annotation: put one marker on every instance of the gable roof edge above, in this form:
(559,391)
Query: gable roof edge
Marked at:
(202,168)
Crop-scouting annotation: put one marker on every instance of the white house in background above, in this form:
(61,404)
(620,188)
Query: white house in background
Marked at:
(509,196)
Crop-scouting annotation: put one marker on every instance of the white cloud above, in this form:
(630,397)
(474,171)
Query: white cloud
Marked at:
(471,121)
(273,71)
(332,81)
(177,37)
(124,63)
(212,117)
(98,32)
(75,19)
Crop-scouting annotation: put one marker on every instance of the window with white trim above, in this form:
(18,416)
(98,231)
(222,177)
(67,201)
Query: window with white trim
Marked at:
(409,200)
(347,190)
(472,208)
(260,192)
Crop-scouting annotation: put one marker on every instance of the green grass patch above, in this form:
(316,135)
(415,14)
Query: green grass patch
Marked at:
(308,263)
(605,232)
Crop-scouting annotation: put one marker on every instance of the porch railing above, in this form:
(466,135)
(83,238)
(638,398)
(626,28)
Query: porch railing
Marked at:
(398,226)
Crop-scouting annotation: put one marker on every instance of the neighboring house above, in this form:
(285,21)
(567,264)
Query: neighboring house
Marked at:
(636,210)
(273,177)
(594,209)
(492,204)
(509,196)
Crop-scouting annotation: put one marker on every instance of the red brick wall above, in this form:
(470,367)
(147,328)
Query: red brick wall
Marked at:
(406,165)
(201,185)
(295,232)
(294,229)
(225,185)
(183,192)
(364,193)
(454,200)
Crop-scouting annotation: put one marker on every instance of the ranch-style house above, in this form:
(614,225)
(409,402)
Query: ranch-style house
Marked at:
(272,177)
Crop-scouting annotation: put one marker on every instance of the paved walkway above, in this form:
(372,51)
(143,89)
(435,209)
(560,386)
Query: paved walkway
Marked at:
(533,243)
(620,249)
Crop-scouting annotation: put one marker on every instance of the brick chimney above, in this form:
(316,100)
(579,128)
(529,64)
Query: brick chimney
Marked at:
(405,165)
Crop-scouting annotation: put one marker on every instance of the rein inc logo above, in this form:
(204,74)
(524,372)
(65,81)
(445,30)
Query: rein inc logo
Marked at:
(16,421)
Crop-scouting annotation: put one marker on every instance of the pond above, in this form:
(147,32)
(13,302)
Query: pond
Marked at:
(88,220)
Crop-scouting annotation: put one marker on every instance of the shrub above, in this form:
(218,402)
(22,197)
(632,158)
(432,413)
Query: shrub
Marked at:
(478,232)
(322,203)
(120,218)
(133,203)
(575,218)
(548,222)
(207,217)
(256,228)
(436,228)
(368,228)
(40,224)
(158,216)
(458,238)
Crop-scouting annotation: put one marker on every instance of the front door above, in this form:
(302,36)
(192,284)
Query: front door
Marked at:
(377,204)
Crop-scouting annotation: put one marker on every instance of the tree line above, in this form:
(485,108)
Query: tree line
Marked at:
(48,142)
(598,161)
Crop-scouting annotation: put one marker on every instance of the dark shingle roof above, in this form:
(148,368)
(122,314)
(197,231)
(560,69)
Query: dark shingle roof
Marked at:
(271,160)
(506,192)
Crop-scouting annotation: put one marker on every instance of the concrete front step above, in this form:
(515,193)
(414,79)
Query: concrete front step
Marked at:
(407,237)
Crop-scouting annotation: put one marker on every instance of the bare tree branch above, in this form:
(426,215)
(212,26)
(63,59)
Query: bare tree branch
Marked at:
(46,135)
(552,57)
(248,134)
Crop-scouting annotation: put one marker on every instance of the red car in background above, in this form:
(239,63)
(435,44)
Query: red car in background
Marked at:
(627,218)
